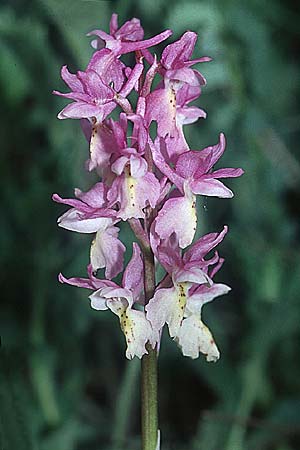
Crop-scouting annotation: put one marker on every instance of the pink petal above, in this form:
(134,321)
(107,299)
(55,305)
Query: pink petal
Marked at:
(217,267)
(71,80)
(87,283)
(73,220)
(212,155)
(227,173)
(108,251)
(185,75)
(169,256)
(204,245)
(133,277)
(113,24)
(130,31)
(189,163)
(197,60)
(95,86)
(161,164)
(211,187)
(160,307)
(205,294)
(95,197)
(132,80)
(78,96)
(79,110)
(77,204)
(138,166)
(111,69)
(178,216)
(192,275)
(178,52)
(127,47)
(161,107)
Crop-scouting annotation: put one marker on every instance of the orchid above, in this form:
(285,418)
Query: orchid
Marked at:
(180,305)
(89,215)
(192,176)
(152,181)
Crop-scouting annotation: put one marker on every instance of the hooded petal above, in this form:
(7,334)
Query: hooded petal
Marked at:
(175,54)
(138,166)
(210,187)
(133,194)
(161,107)
(94,197)
(178,216)
(111,69)
(97,301)
(74,220)
(192,275)
(189,114)
(194,337)
(185,75)
(79,110)
(95,87)
(189,163)
(157,149)
(108,251)
(133,277)
(130,31)
(211,155)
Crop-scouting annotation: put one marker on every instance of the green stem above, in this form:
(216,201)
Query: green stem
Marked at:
(149,369)
(149,400)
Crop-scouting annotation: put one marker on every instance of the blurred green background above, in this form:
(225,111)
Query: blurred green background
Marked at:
(64,380)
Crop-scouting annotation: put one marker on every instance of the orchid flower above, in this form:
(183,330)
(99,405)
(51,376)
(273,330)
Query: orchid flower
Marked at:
(120,300)
(89,214)
(127,38)
(192,286)
(191,175)
(149,177)
(108,295)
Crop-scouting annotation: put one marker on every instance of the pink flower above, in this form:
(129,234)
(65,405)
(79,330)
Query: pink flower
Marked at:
(126,39)
(120,300)
(92,97)
(180,305)
(89,214)
(192,175)
(134,187)
(176,60)
(151,179)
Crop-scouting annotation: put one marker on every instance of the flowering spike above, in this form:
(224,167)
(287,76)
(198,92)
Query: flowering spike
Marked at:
(150,181)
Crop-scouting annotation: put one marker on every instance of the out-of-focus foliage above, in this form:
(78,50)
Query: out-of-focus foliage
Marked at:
(64,381)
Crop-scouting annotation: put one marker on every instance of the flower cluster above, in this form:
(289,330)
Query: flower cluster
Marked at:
(149,177)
